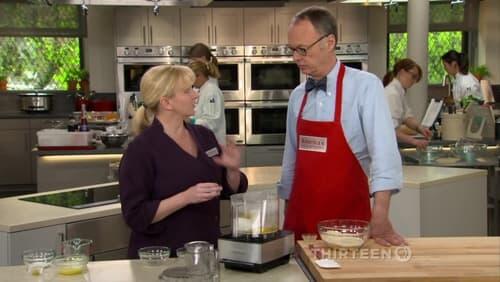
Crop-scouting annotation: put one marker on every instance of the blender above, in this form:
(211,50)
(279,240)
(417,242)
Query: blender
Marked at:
(256,244)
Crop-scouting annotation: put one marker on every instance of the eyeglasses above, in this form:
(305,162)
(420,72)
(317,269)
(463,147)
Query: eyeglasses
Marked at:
(303,50)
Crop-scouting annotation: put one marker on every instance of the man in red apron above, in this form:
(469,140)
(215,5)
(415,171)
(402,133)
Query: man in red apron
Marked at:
(327,179)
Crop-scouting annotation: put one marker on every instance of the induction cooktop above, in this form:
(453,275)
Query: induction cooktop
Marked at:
(80,199)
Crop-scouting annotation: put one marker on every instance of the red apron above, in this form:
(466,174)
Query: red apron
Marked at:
(329,182)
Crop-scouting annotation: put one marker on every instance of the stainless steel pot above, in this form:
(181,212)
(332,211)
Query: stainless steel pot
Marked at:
(36,102)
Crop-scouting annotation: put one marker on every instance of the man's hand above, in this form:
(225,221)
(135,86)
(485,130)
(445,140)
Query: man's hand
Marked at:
(380,226)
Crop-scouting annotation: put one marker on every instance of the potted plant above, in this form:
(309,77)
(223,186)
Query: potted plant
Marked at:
(72,76)
(3,82)
(83,76)
(481,72)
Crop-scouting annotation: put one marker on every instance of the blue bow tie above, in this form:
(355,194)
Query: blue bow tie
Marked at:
(316,84)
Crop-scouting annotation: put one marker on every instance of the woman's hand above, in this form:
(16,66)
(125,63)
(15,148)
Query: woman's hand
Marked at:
(230,157)
(202,192)
(420,143)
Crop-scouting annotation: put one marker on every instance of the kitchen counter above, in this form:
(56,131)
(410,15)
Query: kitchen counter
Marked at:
(17,215)
(430,259)
(135,271)
(99,150)
(25,115)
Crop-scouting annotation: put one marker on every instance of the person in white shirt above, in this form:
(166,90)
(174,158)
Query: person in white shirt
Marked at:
(340,146)
(209,110)
(404,74)
(456,65)
(201,52)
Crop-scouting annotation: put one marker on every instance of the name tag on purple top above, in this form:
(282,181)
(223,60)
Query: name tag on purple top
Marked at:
(212,152)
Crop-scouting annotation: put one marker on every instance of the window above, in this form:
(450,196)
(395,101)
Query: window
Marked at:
(448,29)
(40,45)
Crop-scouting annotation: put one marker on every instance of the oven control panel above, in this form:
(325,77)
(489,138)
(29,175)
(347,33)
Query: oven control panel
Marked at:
(148,51)
(352,49)
(267,50)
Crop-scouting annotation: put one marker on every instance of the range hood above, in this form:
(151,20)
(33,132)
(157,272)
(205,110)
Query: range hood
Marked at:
(187,3)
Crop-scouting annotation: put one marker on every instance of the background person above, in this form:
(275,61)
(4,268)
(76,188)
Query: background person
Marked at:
(339,134)
(404,74)
(172,173)
(465,84)
(209,110)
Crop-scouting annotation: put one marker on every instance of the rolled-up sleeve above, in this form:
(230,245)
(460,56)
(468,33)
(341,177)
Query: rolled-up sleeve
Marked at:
(385,166)
(136,176)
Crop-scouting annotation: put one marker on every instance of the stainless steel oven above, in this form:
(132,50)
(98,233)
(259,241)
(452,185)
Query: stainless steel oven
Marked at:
(353,55)
(266,122)
(132,62)
(235,121)
(270,73)
(231,67)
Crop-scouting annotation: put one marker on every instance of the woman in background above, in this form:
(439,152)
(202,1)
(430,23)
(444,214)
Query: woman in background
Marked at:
(173,172)
(404,74)
(201,52)
(465,84)
(209,110)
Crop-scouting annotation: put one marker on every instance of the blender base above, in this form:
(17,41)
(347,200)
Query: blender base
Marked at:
(254,267)
(258,254)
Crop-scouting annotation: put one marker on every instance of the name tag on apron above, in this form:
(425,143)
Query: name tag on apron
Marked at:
(312,143)
(212,152)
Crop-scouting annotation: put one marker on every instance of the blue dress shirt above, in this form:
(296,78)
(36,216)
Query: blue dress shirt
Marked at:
(366,122)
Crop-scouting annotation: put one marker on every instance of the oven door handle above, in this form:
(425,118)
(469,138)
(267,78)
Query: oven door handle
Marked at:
(260,105)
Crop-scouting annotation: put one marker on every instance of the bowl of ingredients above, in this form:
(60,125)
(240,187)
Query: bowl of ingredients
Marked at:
(429,153)
(469,151)
(344,233)
(154,255)
(37,260)
(71,265)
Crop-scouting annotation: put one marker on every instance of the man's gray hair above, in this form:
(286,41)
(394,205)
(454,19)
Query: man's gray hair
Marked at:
(321,18)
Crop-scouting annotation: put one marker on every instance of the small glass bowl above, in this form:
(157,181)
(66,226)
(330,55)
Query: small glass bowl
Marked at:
(154,255)
(38,259)
(344,233)
(308,237)
(71,265)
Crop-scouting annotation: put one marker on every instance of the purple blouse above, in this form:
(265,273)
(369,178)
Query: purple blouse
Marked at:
(153,168)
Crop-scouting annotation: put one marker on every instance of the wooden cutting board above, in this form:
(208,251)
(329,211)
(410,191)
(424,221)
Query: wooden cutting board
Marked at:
(431,259)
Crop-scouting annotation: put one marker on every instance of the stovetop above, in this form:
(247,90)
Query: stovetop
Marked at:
(80,199)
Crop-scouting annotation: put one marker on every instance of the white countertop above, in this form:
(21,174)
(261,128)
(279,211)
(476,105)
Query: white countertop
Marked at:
(17,215)
(135,271)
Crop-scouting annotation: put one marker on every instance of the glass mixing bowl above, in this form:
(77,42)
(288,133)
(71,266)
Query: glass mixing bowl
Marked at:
(37,260)
(154,255)
(344,233)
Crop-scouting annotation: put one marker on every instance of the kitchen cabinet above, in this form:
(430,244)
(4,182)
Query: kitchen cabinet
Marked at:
(12,245)
(352,23)
(15,152)
(212,26)
(138,26)
(264,155)
(265,26)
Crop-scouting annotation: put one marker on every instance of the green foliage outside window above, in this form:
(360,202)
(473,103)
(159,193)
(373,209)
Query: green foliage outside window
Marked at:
(439,43)
(39,44)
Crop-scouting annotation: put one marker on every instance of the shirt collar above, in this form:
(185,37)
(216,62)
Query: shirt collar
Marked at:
(331,79)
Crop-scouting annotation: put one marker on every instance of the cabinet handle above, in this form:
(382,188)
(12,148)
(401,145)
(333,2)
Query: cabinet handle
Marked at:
(27,141)
(340,29)
(271,33)
(278,35)
(208,35)
(215,34)
(144,34)
(151,35)
(61,240)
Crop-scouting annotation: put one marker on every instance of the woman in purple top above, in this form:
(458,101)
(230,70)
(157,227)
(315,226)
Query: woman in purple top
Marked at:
(173,173)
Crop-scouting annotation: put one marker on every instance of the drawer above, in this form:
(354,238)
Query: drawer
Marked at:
(108,233)
(14,124)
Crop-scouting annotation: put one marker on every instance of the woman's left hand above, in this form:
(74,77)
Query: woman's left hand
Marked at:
(230,157)
(427,133)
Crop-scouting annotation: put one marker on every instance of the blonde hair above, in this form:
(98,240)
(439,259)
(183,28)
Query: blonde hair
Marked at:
(207,69)
(157,82)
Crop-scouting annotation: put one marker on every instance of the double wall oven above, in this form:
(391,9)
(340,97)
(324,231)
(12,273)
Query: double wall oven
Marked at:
(270,77)
(353,55)
(132,63)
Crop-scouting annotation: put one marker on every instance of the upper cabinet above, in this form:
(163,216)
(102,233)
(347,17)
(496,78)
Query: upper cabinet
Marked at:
(138,26)
(217,26)
(268,25)
(352,23)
